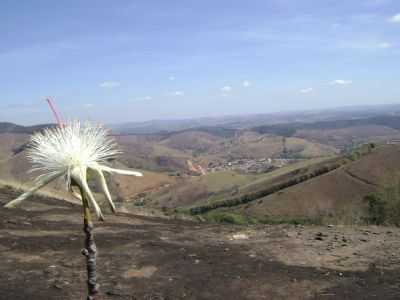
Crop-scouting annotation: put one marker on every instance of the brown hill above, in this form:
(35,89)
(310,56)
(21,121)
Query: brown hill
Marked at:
(343,137)
(170,152)
(336,196)
(14,169)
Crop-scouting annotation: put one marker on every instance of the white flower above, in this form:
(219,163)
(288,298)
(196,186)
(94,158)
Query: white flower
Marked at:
(72,151)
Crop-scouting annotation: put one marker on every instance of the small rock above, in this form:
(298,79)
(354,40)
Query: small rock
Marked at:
(240,236)
(319,236)
(58,286)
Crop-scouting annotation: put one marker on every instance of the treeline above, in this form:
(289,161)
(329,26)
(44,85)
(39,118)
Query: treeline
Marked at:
(243,199)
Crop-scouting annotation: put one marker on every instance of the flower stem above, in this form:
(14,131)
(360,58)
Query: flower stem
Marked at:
(90,251)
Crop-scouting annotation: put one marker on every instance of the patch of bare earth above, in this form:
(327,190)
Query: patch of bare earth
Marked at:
(150,258)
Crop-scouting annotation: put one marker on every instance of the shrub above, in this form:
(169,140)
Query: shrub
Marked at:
(384,207)
(376,209)
(229,218)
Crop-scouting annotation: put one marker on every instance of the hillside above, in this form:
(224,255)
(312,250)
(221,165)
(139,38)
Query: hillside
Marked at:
(336,196)
(6,127)
(240,122)
(339,133)
(170,152)
(14,168)
(201,166)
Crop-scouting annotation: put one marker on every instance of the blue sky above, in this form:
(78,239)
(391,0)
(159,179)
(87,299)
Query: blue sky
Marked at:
(116,61)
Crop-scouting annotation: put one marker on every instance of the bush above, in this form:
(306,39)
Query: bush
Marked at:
(290,220)
(376,209)
(384,207)
(229,218)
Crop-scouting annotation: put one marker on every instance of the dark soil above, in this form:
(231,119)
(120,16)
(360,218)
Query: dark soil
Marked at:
(151,258)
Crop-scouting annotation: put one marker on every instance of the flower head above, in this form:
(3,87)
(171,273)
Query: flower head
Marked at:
(71,151)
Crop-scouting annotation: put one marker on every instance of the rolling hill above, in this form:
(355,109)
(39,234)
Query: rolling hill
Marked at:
(315,179)
(335,196)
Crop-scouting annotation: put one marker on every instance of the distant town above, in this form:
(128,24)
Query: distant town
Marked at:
(256,166)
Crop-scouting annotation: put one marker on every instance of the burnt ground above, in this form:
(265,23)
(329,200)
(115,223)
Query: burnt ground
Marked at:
(153,258)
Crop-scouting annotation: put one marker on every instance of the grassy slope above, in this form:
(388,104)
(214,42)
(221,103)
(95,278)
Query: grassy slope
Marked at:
(334,197)
(194,191)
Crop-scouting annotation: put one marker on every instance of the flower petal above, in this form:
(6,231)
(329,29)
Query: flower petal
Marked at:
(75,194)
(102,180)
(79,176)
(41,183)
(119,171)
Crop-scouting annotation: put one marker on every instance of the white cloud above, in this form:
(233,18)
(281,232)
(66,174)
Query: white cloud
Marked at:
(395,19)
(88,105)
(226,89)
(172,78)
(179,93)
(365,45)
(307,90)
(110,84)
(246,83)
(145,98)
(384,45)
(341,82)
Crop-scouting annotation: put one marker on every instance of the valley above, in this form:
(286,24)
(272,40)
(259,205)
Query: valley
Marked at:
(316,172)
(282,211)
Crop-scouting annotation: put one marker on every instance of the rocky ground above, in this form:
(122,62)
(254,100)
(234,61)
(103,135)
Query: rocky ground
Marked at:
(153,258)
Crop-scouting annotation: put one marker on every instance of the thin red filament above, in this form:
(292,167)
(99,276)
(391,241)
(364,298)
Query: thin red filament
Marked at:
(54,111)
